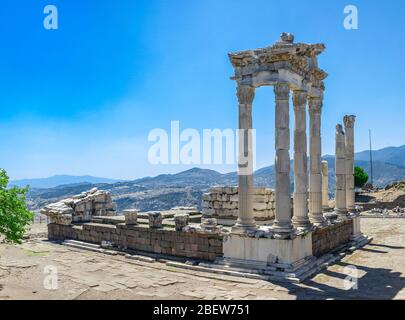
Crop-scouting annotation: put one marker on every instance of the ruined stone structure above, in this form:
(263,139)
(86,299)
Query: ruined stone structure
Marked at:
(81,208)
(222,203)
(296,243)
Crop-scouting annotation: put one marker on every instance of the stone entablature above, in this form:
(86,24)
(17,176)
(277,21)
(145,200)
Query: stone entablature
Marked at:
(81,208)
(222,203)
(285,61)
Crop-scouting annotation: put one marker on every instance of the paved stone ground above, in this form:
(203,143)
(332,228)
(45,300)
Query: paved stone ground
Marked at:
(87,275)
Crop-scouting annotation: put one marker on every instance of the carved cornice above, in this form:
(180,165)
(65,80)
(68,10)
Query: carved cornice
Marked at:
(300,58)
(282,91)
(349,121)
(245,94)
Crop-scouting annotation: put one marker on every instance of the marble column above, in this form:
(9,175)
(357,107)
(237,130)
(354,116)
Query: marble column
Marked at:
(315,176)
(325,183)
(349,144)
(282,225)
(245,220)
(300,207)
(340,172)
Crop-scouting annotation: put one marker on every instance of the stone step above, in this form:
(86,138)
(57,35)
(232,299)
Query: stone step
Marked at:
(140,258)
(83,247)
(82,243)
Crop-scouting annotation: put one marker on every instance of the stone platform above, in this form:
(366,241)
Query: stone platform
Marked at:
(297,271)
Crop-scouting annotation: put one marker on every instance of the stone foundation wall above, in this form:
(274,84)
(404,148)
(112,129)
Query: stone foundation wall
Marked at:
(222,203)
(198,245)
(326,239)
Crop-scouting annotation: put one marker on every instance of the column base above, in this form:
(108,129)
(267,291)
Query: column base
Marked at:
(239,228)
(318,220)
(342,214)
(282,230)
(302,224)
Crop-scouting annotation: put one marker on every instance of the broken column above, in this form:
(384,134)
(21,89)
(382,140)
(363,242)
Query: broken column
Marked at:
(155,219)
(131,216)
(315,176)
(340,172)
(300,217)
(325,183)
(181,220)
(282,225)
(245,220)
(349,144)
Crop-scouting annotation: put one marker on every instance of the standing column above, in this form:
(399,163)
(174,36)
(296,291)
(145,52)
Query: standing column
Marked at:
(282,224)
(300,207)
(340,171)
(245,220)
(325,183)
(315,177)
(349,144)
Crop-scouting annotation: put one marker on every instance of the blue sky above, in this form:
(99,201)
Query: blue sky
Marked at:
(82,99)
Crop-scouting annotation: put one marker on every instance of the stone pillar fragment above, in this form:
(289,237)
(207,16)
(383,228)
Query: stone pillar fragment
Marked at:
(245,220)
(282,224)
(340,172)
(300,207)
(349,144)
(325,183)
(315,151)
(155,219)
(181,220)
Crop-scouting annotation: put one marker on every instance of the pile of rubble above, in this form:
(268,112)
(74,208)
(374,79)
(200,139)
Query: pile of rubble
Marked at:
(399,211)
(81,208)
(222,203)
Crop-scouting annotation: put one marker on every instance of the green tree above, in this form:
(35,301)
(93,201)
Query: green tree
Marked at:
(14,215)
(360,177)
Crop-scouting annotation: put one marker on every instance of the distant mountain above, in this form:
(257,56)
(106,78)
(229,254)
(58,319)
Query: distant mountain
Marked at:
(392,155)
(58,180)
(186,188)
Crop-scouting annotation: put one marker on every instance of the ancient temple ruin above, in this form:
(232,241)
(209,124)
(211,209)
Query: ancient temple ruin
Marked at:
(269,235)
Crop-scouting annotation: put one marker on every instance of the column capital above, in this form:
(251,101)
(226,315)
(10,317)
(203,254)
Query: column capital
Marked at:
(315,105)
(349,121)
(300,98)
(245,94)
(282,91)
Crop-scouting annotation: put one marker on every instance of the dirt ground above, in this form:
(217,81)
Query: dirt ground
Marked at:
(24,269)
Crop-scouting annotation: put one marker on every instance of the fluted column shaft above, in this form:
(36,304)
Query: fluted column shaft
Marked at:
(246,193)
(325,183)
(340,171)
(349,144)
(300,207)
(282,224)
(315,177)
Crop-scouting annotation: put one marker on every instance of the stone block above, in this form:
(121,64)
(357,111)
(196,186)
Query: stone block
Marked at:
(181,220)
(155,219)
(131,216)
